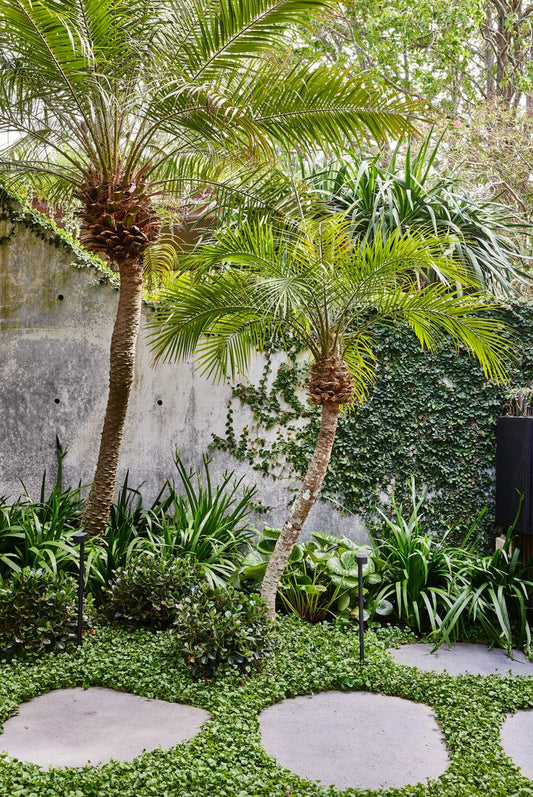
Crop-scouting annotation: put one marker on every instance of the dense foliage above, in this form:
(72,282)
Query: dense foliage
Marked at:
(207,524)
(38,613)
(226,758)
(147,591)
(220,629)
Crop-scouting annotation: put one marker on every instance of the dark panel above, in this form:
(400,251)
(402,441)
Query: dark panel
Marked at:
(514,455)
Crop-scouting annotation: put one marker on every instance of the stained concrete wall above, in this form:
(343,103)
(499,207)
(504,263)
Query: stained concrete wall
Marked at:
(55,327)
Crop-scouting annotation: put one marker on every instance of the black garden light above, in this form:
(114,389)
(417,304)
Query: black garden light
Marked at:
(80,537)
(361,561)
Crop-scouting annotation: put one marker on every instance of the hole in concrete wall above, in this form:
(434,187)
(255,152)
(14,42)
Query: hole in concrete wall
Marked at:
(60,297)
(159,402)
(56,401)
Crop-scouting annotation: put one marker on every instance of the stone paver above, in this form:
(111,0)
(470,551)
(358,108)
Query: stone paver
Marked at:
(350,739)
(73,727)
(462,658)
(517,740)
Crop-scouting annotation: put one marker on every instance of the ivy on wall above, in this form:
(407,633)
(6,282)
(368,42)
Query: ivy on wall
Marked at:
(431,415)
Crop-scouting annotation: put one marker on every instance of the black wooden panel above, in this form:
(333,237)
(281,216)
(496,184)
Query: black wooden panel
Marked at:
(514,460)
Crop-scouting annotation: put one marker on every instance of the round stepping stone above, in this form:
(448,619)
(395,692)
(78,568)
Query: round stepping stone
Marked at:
(461,659)
(75,727)
(517,740)
(355,739)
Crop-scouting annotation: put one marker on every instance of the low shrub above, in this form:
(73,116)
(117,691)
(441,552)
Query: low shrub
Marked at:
(147,591)
(38,613)
(217,629)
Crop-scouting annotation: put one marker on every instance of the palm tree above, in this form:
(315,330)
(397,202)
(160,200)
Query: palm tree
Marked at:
(124,106)
(319,287)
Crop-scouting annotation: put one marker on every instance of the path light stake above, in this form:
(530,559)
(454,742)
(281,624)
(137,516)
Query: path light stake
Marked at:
(361,561)
(80,538)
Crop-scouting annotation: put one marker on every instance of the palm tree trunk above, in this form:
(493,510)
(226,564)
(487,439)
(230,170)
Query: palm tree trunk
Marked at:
(121,369)
(301,506)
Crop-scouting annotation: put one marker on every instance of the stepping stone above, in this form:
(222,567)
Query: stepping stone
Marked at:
(75,727)
(517,740)
(355,739)
(461,659)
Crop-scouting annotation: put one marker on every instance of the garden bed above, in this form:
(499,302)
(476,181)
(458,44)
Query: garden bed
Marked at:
(226,758)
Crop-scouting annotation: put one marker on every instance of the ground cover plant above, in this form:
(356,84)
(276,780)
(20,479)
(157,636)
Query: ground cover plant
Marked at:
(226,758)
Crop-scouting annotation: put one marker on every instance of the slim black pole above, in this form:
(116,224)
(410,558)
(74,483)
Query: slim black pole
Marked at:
(361,561)
(80,538)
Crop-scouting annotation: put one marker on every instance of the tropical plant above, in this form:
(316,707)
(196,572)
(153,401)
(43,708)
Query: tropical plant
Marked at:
(321,578)
(417,569)
(147,591)
(492,592)
(318,285)
(221,629)
(409,194)
(132,108)
(38,613)
(209,525)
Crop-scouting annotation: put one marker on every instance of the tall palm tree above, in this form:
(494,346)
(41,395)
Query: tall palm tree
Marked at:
(320,287)
(122,106)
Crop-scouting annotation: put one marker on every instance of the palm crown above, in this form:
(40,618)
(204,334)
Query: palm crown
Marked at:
(121,100)
(320,286)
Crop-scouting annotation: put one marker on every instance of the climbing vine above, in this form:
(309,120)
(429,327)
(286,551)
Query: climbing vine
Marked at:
(431,415)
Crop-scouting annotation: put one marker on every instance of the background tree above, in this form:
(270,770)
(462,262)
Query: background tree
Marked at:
(321,287)
(453,54)
(123,104)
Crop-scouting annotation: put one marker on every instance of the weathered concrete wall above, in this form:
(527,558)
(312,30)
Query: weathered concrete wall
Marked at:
(55,323)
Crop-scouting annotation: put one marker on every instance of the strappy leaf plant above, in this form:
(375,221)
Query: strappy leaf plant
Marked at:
(130,107)
(318,285)
(410,193)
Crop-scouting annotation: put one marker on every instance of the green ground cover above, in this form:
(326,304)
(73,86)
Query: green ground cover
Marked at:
(226,758)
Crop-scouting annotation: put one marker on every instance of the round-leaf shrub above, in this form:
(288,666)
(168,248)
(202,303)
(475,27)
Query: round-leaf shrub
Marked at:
(38,613)
(222,628)
(145,592)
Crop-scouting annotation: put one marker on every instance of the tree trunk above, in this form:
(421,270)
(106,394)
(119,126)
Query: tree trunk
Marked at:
(121,369)
(301,506)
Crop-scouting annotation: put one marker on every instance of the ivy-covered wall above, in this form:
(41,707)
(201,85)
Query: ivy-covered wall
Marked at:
(431,415)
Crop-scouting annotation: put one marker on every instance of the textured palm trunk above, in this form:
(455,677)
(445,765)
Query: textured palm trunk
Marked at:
(301,506)
(121,370)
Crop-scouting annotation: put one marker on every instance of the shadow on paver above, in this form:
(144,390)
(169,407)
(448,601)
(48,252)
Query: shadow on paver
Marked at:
(461,659)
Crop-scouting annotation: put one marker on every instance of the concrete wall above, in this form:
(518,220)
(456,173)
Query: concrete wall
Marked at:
(55,326)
